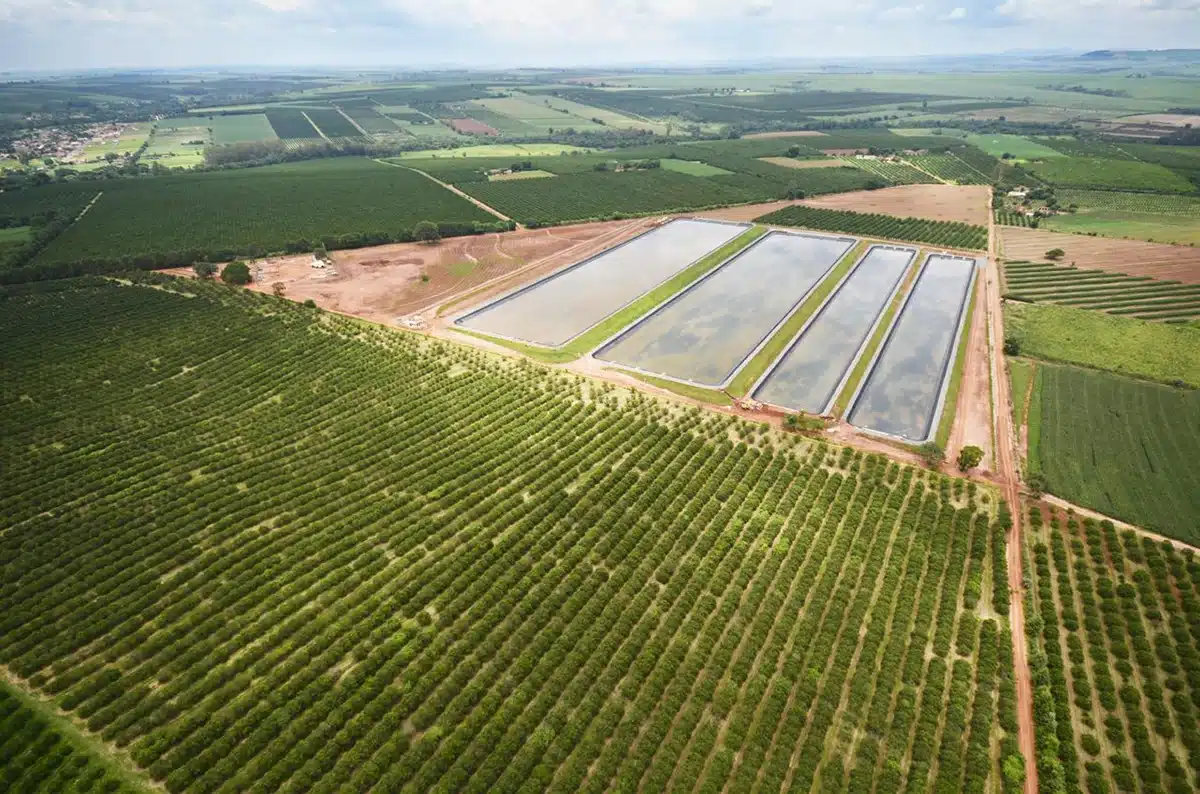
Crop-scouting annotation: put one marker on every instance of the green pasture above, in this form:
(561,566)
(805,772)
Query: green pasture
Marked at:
(1019,147)
(692,167)
(1178,230)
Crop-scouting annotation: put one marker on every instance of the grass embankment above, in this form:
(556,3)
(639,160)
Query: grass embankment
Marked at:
(860,367)
(1019,372)
(592,338)
(1154,351)
(711,396)
(950,406)
(88,755)
(779,341)
(1033,421)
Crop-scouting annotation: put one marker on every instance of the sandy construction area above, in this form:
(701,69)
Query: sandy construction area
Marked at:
(1133,257)
(387,282)
(786,134)
(789,162)
(963,203)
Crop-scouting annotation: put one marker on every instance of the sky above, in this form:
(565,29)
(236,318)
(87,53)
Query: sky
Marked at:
(75,34)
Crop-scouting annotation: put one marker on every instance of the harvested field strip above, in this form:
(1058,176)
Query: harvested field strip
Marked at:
(540,551)
(1125,720)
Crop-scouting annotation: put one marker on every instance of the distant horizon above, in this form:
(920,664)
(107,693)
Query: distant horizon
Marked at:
(780,63)
(48,36)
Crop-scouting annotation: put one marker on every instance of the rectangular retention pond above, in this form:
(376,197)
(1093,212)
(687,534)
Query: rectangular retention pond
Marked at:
(704,334)
(556,309)
(810,374)
(903,391)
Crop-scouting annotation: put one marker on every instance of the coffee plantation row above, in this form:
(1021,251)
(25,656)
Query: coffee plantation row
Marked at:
(261,548)
(949,234)
(1117,675)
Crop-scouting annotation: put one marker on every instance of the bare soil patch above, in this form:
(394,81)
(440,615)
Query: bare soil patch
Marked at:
(1168,119)
(744,213)
(973,413)
(472,127)
(786,134)
(962,203)
(384,283)
(1133,257)
(790,162)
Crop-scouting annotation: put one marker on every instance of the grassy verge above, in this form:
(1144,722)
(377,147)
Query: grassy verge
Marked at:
(860,367)
(711,396)
(1019,373)
(946,423)
(592,338)
(775,346)
(115,764)
(1034,421)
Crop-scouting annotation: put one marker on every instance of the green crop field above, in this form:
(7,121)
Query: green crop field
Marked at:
(1116,646)
(42,754)
(259,209)
(1142,203)
(1157,351)
(896,173)
(1123,447)
(1095,172)
(1174,229)
(333,124)
(371,120)
(317,555)
(1136,296)
(693,167)
(949,167)
(241,129)
(944,233)
(1019,147)
(290,124)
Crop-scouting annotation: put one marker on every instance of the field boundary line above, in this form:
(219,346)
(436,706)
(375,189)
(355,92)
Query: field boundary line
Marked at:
(452,189)
(911,164)
(353,122)
(117,761)
(320,131)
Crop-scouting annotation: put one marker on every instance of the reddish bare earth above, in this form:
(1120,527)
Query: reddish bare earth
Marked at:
(384,283)
(791,162)
(472,127)
(962,203)
(744,213)
(1133,257)
(785,134)
(973,413)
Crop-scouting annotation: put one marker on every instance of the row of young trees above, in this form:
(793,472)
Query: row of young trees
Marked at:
(369,560)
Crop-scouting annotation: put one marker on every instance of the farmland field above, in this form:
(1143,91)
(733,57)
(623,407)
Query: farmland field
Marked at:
(333,124)
(259,209)
(944,233)
(1140,296)
(1173,229)
(692,167)
(1019,147)
(949,167)
(246,128)
(902,393)
(366,560)
(371,120)
(1119,637)
(1100,173)
(290,123)
(44,755)
(1157,351)
(1134,257)
(1122,447)
(895,173)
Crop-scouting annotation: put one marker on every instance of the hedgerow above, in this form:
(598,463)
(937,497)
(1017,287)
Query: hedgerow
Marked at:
(950,234)
(298,553)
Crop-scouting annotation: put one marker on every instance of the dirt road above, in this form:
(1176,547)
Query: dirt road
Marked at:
(973,412)
(455,191)
(1006,469)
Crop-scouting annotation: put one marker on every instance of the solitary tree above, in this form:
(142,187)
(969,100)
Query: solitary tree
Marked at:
(969,457)
(279,288)
(1012,346)
(1036,482)
(427,232)
(204,270)
(236,273)
(1055,253)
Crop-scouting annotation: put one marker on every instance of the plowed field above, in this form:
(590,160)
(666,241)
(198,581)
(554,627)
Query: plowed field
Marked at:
(1133,257)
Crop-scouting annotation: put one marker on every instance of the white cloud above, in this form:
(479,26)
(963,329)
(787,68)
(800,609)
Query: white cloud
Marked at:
(898,13)
(957,13)
(285,5)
